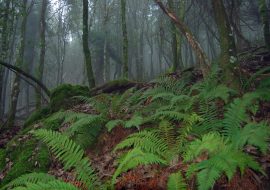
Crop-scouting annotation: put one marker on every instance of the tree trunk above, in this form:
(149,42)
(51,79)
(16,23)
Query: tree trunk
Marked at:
(174,44)
(201,56)
(19,63)
(42,51)
(265,20)
(3,54)
(125,39)
(228,57)
(86,50)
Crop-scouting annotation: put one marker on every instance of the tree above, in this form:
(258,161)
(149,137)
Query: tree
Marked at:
(4,51)
(201,56)
(86,50)
(228,56)
(42,50)
(19,63)
(125,38)
(264,12)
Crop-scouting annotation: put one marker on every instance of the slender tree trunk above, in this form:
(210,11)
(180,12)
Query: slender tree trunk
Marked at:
(3,53)
(86,50)
(19,63)
(42,51)
(264,12)
(228,57)
(174,44)
(201,56)
(125,39)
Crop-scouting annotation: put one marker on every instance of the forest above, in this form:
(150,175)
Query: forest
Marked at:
(135,94)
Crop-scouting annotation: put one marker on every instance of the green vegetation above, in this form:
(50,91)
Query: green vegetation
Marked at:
(61,96)
(206,125)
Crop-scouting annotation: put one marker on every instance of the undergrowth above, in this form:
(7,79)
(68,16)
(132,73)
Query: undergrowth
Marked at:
(206,125)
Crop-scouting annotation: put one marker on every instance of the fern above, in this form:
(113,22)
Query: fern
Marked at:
(256,134)
(169,115)
(29,178)
(210,143)
(148,141)
(69,153)
(176,182)
(135,121)
(51,185)
(114,123)
(134,158)
(226,161)
(222,158)
(236,113)
(168,133)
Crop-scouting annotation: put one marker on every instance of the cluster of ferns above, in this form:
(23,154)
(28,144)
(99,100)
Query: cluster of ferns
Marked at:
(206,125)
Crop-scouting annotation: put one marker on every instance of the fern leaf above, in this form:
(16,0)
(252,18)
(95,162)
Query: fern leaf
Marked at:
(114,123)
(256,134)
(135,121)
(134,158)
(69,153)
(211,142)
(51,185)
(176,182)
(29,178)
(148,141)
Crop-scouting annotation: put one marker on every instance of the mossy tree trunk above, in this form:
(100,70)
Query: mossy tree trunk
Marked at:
(264,12)
(19,63)
(4,52)
(228,56)
(174,42)
(86,49)
(125,39)
(42,51)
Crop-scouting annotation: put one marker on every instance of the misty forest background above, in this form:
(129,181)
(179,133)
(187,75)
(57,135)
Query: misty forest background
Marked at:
(132,39)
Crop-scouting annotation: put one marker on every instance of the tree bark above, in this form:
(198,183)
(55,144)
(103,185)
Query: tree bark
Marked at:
(86,50)
(228,57)
(19,63)
(201,56)
(3,54)
(125,39)
(265,20)
(42,51)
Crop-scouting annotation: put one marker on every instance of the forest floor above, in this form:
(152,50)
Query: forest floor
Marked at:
(151,177)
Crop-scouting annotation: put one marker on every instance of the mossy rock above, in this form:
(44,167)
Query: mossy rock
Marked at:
(27,157)
(61,96)
(37,115)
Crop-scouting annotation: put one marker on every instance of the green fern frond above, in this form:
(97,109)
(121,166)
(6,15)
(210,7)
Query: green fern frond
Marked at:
(176,182)
(164,96)
(211,143)
(51,185)
(186,128)
(148,141)
(236,113)
(69,153)
(168,133)
(134,158)
(256,134)
(226,161)
(29,178)
(169,115)
(135,121)
(114,123)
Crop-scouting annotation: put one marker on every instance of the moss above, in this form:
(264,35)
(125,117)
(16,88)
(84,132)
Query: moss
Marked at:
(2,159)
(28,157)
(37,115)
(61,97)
